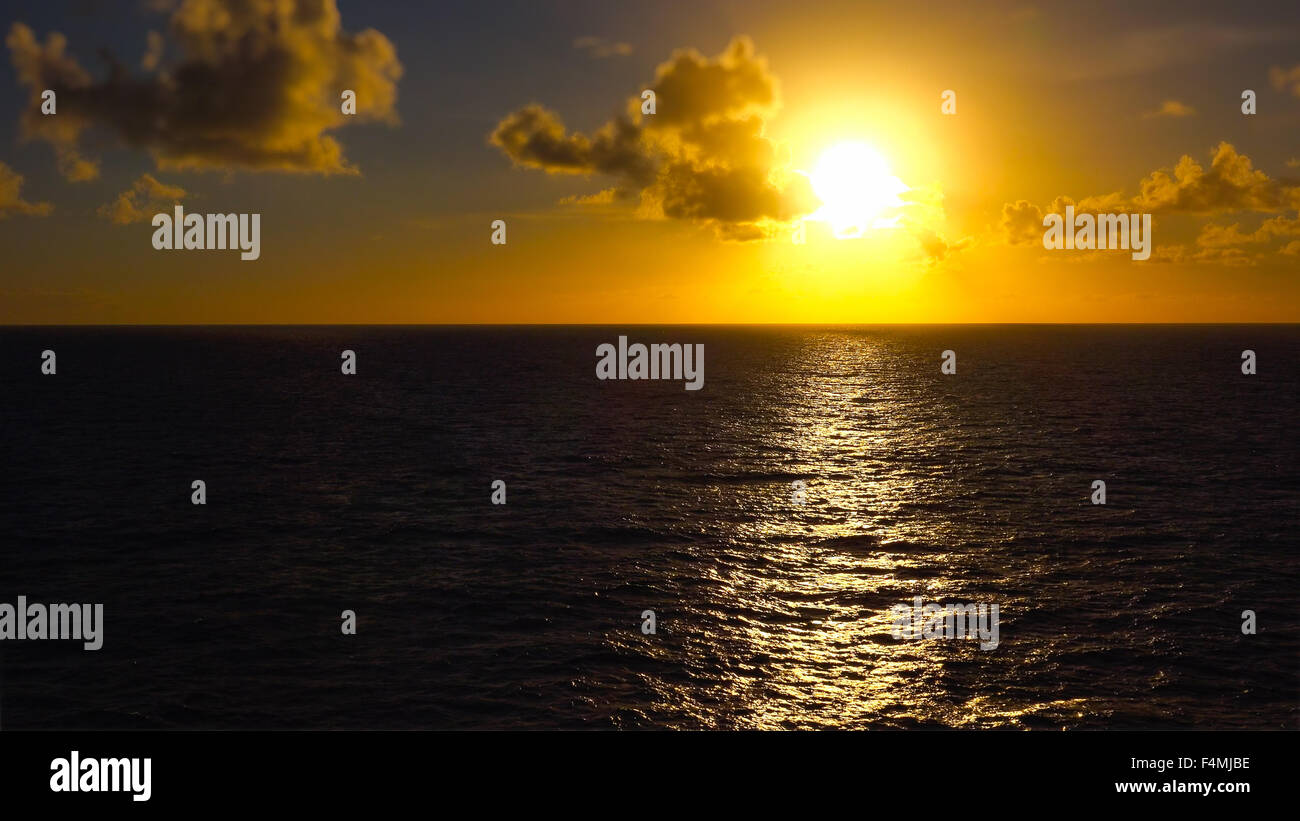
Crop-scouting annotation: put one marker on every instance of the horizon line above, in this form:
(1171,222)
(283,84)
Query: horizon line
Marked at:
(613,324)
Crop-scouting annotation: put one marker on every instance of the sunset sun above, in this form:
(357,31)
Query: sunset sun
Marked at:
(856,189)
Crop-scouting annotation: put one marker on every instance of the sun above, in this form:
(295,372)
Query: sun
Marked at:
(856,189)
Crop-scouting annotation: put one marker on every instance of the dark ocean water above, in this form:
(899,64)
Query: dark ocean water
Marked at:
(371,492)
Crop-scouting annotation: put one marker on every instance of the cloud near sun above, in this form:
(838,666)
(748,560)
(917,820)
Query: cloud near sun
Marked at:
(254,85)
(701,157)
(704,157)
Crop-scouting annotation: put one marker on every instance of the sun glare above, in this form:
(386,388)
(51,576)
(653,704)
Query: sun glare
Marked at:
(856,190)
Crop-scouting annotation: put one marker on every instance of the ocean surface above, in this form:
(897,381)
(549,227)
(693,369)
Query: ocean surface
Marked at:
(371,493)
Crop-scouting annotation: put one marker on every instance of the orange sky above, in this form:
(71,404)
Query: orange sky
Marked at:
(386,217)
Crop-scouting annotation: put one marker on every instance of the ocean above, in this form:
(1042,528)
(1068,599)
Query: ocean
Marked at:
(770,520)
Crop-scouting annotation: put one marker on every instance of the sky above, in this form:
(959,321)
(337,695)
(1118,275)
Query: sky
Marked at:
(799,165)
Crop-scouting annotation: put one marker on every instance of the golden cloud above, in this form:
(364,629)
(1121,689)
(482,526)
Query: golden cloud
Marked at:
(1172,108)
(146,197)
(1230,185)
(1286,79)
(11,201)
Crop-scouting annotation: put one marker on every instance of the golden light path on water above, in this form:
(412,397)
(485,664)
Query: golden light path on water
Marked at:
(794,630)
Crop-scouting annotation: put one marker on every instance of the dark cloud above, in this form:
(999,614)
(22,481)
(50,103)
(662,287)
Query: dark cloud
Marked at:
(702,156)
(535,137)
(255,84)
(694,90)
(48,66)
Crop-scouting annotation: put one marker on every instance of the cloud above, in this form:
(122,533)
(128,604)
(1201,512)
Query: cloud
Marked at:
(1230,185)
(923,215)
(603,197)
(145,198)
(1022,222)
(598,48)
(697,92)
(1226,244)
(703,157)
(1214,235)
(1174,253)
(11,201)
(47,66)
(1287,79)
(154,46)
(936,247)
(1171,108)
(535,137)
(255,85)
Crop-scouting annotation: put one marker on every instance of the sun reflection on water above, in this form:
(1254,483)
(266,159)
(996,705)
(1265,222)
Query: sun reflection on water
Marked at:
(796,629)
